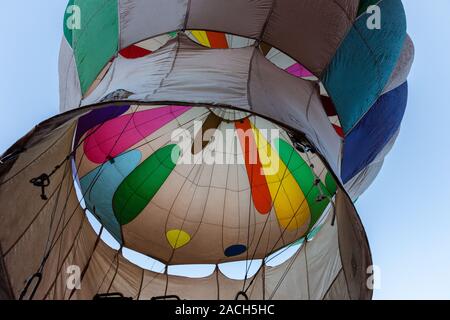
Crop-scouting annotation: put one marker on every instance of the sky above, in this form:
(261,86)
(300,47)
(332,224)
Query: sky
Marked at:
(406,211)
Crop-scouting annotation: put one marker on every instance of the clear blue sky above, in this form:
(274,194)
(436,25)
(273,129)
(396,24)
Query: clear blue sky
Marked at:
(406,212)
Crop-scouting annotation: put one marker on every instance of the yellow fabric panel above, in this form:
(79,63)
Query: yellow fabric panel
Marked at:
(290,205)
(202,37)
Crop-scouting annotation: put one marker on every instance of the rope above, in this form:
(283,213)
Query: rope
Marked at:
(37,276)
(241,293)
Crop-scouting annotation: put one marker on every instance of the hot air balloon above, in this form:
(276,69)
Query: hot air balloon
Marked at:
(206,133)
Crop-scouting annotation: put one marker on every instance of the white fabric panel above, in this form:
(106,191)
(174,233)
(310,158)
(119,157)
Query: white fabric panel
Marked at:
(359,183)
(69,83)
(143,19)
(280,59)
(154,44)
(238,42)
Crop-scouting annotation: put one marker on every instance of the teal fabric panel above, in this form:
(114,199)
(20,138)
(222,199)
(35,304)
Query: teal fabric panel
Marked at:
(99,186)
(364,63)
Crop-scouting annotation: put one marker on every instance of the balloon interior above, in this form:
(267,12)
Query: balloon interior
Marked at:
(198,137)
(162,189)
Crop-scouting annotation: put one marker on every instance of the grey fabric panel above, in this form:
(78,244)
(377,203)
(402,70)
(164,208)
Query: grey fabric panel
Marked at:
(127,280)
(143,19)
(200,75)
(5,288)
(34,137)
(241,17)
(362,181)
(359,183)
(310,30)
(296,103)
(99,272)
(136,76)
(403,67)
(338,290)
(69,83)
(28,219)
(25,235)
(354,248)
(309,273)
(73,248)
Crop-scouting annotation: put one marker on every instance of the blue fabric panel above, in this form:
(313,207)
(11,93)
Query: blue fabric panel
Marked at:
(364,62)
(99,186)
(373,132)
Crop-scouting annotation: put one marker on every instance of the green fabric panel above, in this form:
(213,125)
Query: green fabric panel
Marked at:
(330,183)
(141,185)
(302,173)
(68,32)
(97,40)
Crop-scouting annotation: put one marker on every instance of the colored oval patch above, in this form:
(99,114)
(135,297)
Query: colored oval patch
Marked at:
(235,250)
(299,71)
(178,238)
(141,185)
(260,190)
(134,52)
(117,135)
